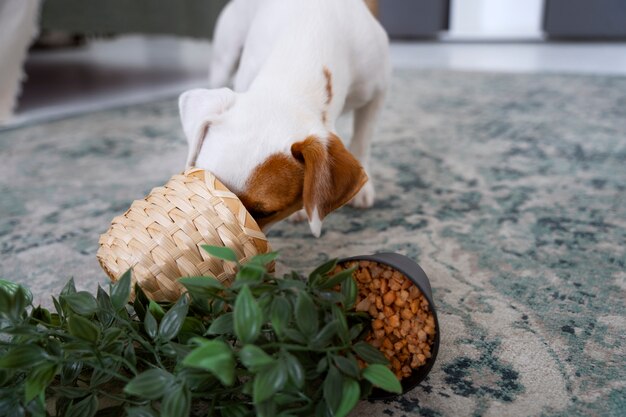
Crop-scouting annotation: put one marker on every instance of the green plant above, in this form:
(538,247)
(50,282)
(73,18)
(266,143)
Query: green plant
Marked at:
(264,346)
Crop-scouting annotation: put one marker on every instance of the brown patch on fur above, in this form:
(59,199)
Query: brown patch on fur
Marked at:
(274,190)
(329,85)
(329,91)
(373,6)
(332,176)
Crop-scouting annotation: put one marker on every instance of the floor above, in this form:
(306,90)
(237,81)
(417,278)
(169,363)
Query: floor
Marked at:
(133,69)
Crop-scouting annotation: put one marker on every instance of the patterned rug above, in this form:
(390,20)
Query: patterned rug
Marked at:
(509,190)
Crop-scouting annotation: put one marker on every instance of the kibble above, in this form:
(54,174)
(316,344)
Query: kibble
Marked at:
(403,327)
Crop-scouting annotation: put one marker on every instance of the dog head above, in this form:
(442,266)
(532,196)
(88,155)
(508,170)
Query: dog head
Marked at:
(275,165)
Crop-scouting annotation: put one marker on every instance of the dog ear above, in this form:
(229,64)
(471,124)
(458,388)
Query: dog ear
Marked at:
(332,176)
(198,109)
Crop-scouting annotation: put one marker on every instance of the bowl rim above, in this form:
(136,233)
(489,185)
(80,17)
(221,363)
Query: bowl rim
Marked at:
(416,274)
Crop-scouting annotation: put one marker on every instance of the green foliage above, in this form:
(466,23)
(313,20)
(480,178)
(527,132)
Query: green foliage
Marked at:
(265,346)
(382,377)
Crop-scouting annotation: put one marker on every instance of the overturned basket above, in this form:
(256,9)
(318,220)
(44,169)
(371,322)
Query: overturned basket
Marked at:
(160,237)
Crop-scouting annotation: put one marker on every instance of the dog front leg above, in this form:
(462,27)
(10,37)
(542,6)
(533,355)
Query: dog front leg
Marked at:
(365,119)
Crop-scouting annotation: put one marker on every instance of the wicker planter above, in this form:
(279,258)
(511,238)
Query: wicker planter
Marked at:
(160,237)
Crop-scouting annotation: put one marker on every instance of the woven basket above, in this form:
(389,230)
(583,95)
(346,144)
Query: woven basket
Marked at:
(160,237)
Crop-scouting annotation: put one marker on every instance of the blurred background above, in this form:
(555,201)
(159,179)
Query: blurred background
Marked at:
(60,57)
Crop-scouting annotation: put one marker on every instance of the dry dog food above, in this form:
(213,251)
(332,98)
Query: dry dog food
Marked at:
(403,327)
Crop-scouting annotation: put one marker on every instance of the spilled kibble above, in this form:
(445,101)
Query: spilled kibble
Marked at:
(403,327)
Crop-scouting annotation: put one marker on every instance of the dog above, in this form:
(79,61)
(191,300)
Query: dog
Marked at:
(271,140)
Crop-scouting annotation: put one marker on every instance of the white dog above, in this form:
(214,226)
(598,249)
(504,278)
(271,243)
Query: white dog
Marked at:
(272,141)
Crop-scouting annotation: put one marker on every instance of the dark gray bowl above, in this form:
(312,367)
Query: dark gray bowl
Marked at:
(416,274)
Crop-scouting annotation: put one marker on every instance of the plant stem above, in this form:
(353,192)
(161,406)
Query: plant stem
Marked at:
(120,399)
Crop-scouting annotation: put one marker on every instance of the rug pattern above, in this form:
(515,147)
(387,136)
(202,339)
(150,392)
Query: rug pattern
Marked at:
(509,190)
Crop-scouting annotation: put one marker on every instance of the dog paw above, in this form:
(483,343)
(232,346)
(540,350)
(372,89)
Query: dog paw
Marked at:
(298,216)
(365,197)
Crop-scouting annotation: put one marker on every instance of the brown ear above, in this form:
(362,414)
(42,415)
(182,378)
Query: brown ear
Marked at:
(332,176)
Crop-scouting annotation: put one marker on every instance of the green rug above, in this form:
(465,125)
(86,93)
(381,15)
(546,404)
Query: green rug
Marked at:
(509,190)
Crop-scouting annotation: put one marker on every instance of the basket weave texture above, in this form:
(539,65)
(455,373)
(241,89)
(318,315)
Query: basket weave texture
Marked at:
(160,237)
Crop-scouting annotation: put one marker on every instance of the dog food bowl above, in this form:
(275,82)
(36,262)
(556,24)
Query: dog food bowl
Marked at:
(161,236)
(418,277)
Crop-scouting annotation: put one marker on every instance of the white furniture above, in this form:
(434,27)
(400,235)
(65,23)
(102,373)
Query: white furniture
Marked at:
(18,28)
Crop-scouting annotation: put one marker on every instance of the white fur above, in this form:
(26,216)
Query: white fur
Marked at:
(315,223)
(280,94)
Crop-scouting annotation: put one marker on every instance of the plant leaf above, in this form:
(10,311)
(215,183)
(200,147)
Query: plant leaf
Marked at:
(221,252)
(294,369)
(120,291)
(336,279)
(58,308)
(323,269)
(214,356)
(382,377)
(70,371)
(138,306)
(150,325)
(193,325)
(86,407)
(342,324)
(81,302)
(201,285)
(23,356)
(131,356)
(292,284)
(248,317)
(332,388)
(5,301)
(42,314)
(263,259)
(14,298)
(110,337)
(331,296)
(322,365)
(254,358)
(82,328)
(11,288)
(105,308)
(250,273)
(38,380)
(268,381)
(306,315)
(69,288)
(349,366)
(325,335)
(356,330)
(156,310)
(350,396)
(280,313)
(349,290)
(369,353)
(296,336)
(176,402)
(224,324)
(151,384)
(173,320)
(141,296)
